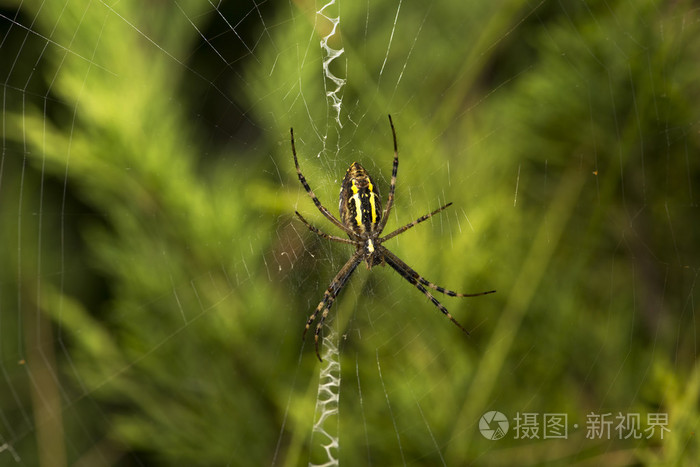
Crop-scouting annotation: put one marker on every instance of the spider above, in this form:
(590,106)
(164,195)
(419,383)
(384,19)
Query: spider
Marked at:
(362,219)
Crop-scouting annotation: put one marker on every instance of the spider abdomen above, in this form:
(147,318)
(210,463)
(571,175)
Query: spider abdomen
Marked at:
(360,204)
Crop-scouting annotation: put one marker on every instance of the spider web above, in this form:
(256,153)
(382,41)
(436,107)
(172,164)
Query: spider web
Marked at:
(154,282)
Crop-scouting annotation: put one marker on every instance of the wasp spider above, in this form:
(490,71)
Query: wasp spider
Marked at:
(363,220)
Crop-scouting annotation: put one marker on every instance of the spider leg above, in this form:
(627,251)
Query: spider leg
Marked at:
(399,267)
(323,234)
(388,255)
(318,204)
(392,187)
(401,230)
(336,286)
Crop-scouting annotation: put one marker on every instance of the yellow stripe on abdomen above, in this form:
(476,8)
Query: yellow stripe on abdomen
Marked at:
(373,205)
(358,203)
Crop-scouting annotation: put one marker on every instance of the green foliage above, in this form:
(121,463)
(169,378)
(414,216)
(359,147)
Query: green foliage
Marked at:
(162,288)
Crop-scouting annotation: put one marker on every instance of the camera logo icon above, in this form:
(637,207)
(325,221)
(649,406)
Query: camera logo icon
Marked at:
(493,425)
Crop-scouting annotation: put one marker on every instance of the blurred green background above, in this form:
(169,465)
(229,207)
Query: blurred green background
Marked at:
(154,281)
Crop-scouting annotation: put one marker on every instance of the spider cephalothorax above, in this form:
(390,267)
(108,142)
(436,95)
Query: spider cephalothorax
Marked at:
(362,219)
